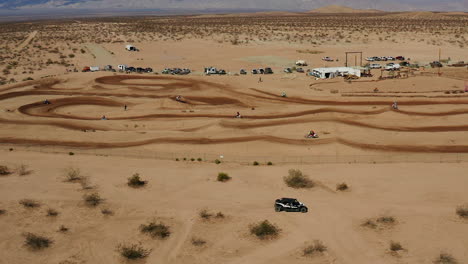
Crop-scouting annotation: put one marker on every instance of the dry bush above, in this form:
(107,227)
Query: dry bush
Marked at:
(92,199)
(22,170)
(296,179)
(156,230)
(135,181)
(37,242)
(107,211)
(395,246)
(4,170)
(63,229)
(264,230)
(29,203)
(223,177)
(445,258)
(204,214)
(386,219)
(73,175)
(369,224)
(2,211)
(316,248)
(52,212)
(462,211)
(342,187)
(198,242)
(133,251)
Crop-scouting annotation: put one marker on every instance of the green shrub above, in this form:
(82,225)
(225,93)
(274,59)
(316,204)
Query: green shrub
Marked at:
(223,177)
(255,163)
(270,163)
(156,230)
(133,251)
(192,159)
(264,230)
(2,211)
(177,159)
(296,179)
(71,153)
(199,159)
(316,248)
(217,161)
(135,181)
(37,242)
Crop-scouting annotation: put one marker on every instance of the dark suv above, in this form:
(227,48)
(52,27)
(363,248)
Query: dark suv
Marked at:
(290,205)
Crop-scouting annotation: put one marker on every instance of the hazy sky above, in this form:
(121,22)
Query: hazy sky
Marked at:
(299,5)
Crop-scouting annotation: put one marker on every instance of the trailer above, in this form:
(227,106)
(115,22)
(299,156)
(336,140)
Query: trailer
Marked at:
(94,68)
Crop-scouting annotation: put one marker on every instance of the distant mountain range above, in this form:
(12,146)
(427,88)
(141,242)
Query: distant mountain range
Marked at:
(290,5)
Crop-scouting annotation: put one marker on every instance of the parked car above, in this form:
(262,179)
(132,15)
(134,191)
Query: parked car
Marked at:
(391,58)
(148,70)
(392,66)
(290,205)
(436,64)
(86,69)
(261,71)
(287,70)
(268,70)
(375,66)
(254,71)
(370,59)
(221,72)
(383,58)
(131,69)
(299,70)
(400,58)
(327,59)
(243,72)
(404,64)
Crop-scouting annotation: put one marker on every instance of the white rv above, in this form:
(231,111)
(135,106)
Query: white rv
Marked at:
(94,68)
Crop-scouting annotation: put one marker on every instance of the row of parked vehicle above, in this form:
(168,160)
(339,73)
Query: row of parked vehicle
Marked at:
(400,58)
(389,66)
(176,71)
(261,71)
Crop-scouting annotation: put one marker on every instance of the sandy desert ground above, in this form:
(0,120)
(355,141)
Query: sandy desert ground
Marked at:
(407,164)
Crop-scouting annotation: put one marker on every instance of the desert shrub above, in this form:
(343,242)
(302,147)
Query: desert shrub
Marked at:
(185,158)
(63,229)
(71,153)
(223,177)
(37,242)
(2,211)
(386,219)
(177,159)
(4,170)
(92,199)
(29,203)
(342,187)
(219,215)
(85,183)
(296,179)
(462,211)
(369,223)
(133,251)
(316,248)
(255,163)
(217,161)
(73,174)
(156,230)
(204,214)
(199,159)
(22,170)
(107,211)
(395,246)
(135,181)
(52,212)
(445,258)
(198,242)
(270,163)
(264,230)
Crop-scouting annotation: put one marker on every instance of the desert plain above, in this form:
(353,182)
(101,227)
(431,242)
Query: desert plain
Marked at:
(405,169)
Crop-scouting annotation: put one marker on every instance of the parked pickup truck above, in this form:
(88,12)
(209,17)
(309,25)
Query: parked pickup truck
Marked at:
(392,66)
(375,66)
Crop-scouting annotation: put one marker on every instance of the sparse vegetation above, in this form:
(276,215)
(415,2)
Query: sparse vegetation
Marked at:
(63,229)
(133,251)
(4,170)
(317,247)
(270,163)
(2,211)
(135,181)
(71,153)
(296,179)
(379,222)
(37,242)
(386,219)
(204,214)
(22,170)
(92,199)
(342,187)
(395,246)
(255,163)
(52,212)
(156,230)
(29,203)
(198,242)
(223,177)
(445,258)
(217,161)
(264,230)
(107,211)
(73,175)
(462,211)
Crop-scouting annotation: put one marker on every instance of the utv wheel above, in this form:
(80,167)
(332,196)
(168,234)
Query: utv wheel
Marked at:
(303,210)
(278,208)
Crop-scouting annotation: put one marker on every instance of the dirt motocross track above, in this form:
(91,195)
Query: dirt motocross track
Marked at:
(154,116)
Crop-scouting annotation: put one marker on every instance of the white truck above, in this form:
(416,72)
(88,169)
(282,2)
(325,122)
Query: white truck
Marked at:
(392,66)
